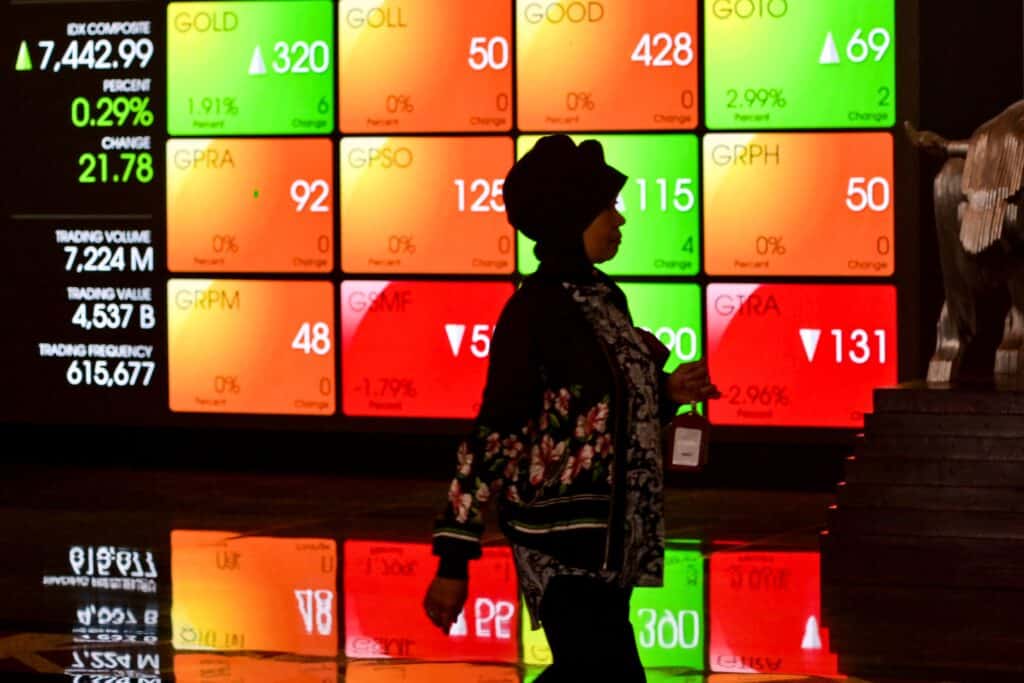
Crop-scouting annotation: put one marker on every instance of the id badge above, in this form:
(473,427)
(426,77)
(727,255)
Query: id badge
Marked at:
(686,443)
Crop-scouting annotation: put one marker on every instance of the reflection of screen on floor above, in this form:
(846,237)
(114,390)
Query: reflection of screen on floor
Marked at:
(197,668)
(385,581)
(253,593)
(766,614)
(669,621)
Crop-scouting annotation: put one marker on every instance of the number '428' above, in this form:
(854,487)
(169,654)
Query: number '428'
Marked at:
(664,49)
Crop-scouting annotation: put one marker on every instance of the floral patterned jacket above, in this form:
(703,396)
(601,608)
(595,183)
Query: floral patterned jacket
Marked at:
(548,438)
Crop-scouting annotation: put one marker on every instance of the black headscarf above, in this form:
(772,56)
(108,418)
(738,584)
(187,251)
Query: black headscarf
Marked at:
(553,193)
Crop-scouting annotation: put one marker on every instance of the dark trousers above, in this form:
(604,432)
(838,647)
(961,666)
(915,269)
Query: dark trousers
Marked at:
(588,630)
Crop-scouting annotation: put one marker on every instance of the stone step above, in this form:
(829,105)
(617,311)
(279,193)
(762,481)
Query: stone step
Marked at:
(998,426)
(918,397)
(857,494)
(947,446)
(979,612)
(883,561)
(867,467)
(849,523)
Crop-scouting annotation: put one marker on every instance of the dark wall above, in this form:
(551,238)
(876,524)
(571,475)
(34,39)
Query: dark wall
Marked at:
(971,68)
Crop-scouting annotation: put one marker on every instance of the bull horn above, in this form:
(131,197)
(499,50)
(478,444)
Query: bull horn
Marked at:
(933,143)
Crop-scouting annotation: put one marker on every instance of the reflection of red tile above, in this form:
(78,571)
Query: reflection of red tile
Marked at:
(765,610)
(254,593)
(760,678)
(199,668)
(384,587)
(377,672)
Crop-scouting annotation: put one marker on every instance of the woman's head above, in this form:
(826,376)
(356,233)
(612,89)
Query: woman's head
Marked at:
(562,195)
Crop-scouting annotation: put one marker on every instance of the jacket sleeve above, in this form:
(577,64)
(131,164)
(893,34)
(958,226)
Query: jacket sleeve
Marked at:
(489,454)
(667,408)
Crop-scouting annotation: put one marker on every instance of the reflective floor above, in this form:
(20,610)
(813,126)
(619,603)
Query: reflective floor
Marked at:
(131,576)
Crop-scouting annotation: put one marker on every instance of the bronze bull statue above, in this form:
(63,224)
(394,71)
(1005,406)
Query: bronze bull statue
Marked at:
(978,205)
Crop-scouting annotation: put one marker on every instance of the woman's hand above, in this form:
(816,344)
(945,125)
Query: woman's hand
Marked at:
(690,383)
(444,601)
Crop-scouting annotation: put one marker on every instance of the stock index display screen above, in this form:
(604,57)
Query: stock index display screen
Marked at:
(291,212)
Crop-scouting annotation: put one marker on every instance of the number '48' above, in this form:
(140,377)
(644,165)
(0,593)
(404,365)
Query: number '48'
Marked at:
(313,338)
